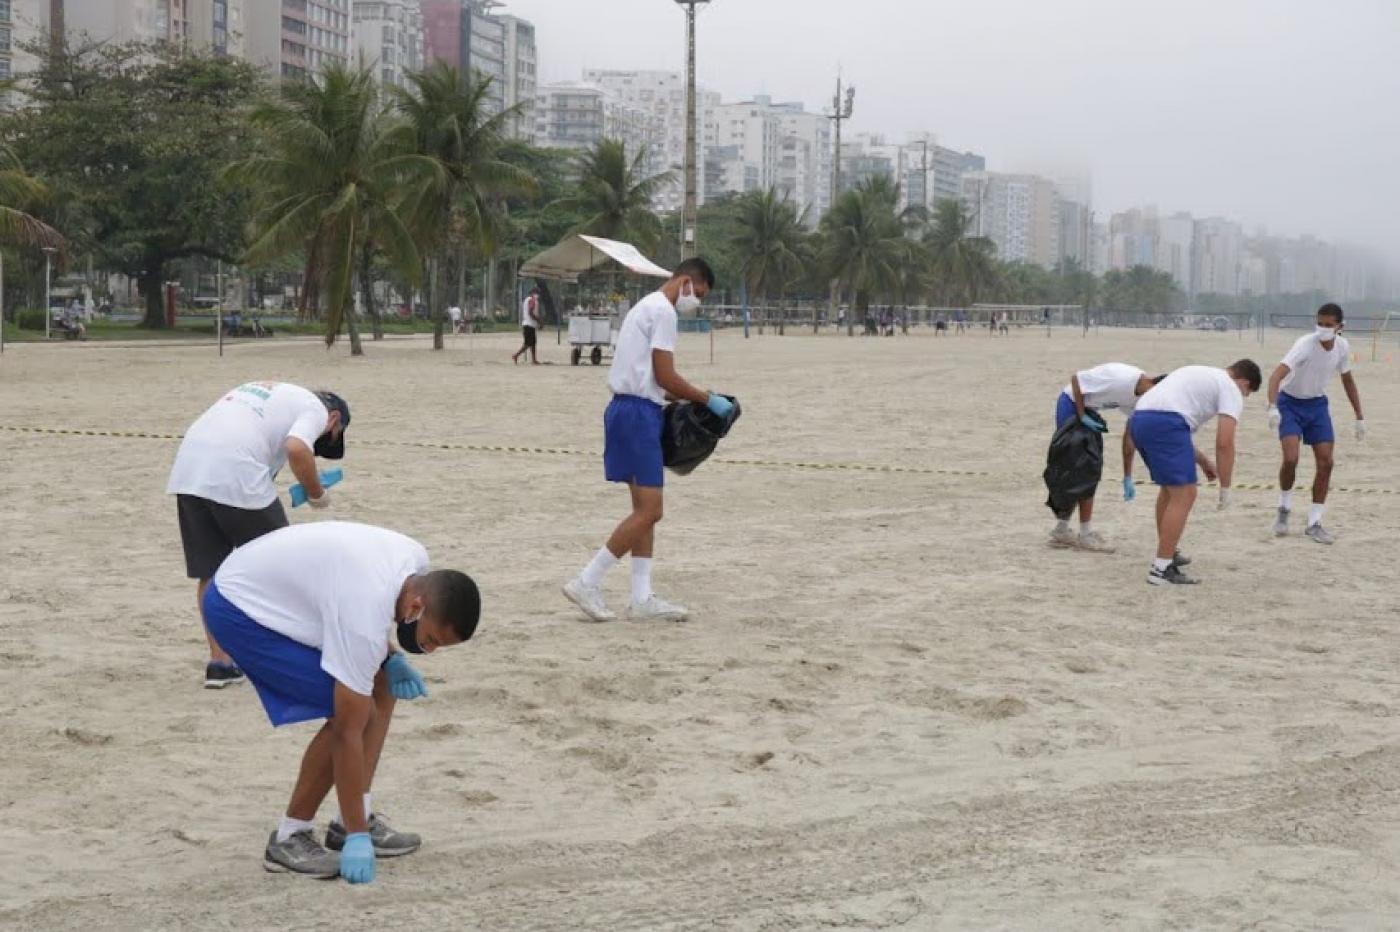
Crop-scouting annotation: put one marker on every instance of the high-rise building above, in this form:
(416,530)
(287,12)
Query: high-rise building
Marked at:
(745,139)
(204,24)
(661,95)
(522,76)
(22,22)
(389,37)
(804,163)
(467,36)
(579,116)
(1076,232)
(1176,237)
(1216,250)
(1019,213)
(1133,238)
(297,38)
(949,166)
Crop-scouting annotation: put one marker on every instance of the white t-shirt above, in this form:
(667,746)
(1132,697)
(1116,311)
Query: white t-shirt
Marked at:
(455,313)
(650,325)
(531,303)
(331,585)
(231,454)
(1197,393)
(1311,366)
(1111,385)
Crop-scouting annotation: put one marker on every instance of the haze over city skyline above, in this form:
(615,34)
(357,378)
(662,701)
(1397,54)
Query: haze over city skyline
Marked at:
(1276,114)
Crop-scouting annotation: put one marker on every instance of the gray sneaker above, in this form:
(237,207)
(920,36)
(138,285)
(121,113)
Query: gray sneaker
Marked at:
(387,842)
(1063,537)
(1281,523)
(300,854)
(1318,534)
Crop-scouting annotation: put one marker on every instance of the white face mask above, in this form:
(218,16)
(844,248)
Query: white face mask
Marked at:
(687,303)
(1326,334)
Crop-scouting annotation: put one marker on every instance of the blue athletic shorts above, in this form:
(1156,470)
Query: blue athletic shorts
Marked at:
(1064,410)
(1164,440)
(286,674)
(1305,417)
(632,441)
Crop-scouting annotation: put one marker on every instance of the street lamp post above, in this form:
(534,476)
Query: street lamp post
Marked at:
(48,301)
(842,106)
(690,214)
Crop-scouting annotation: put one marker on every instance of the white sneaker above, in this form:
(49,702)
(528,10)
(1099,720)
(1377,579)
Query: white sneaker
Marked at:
(589,599)
(1094,542)
(1063,537)
(656,609)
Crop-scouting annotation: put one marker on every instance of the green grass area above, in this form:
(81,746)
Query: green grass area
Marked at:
(201,328)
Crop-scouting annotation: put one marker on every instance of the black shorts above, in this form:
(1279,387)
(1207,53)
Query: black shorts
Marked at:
(209,531)
(529,337)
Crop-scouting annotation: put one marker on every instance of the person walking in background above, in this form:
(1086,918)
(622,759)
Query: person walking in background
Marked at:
(529,323)
(1298,411)
(960,319)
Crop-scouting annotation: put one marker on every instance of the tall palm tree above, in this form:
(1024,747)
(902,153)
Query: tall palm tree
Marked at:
(615,194)
(864,246)
(18,191)
(447,119)
(772,240)
(962,266)
(331,171)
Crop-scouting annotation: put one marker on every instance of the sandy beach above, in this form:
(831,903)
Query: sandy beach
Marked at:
(895,706)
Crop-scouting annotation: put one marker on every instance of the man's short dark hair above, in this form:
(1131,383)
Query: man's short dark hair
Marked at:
(1248,370)
(454,598)
(697,270)
(1331,310)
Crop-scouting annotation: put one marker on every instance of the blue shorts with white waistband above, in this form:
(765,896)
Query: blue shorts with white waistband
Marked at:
(632,441)
(1164,440)
(1308,418)
(287,674)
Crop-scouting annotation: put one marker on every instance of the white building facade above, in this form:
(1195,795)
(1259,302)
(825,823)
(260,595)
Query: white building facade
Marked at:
(521,78)
(389,38)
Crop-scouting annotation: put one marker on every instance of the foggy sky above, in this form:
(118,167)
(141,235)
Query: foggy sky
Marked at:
(1282,114)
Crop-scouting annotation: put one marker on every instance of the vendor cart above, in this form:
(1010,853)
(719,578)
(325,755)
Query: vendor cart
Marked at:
(591,334)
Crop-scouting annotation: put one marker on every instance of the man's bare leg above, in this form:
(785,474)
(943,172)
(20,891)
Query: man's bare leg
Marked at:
(216,653)
(1179,501)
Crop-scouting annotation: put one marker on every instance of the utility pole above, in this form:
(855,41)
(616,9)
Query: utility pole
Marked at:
(690,214)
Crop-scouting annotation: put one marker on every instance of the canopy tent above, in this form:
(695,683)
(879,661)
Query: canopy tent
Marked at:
(577,254)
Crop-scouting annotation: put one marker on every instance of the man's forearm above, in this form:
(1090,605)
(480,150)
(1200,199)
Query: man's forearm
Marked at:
(1354,396)
(1128,450)
(1225,465)
(680,388)
(348,761)
(302,463)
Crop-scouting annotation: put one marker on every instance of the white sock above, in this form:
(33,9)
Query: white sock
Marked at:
(1086,527)
(1062,524)
(594,572)
(1315,514)
(340,816)
(289,827)
(1285,499)
(641,579)
(1161,565)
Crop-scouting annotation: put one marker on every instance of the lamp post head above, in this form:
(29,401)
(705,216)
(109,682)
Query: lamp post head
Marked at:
(692,3)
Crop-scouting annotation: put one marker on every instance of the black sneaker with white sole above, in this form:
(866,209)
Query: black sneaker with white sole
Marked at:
(1180,559)
(219,675)
(1171,576)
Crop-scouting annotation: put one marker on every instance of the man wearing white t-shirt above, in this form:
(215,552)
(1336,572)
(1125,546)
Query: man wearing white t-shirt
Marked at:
(529,324)
(1162,426)
(223,472)
(1298,410)
(643,378)
(1113,385)
(306,612)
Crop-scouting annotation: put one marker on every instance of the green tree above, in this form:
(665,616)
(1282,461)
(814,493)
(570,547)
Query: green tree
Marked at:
(447,119)
(615,195)
(131,139)
(332,172)
(962,267)
(864,246)
(1141,289)
(772,240)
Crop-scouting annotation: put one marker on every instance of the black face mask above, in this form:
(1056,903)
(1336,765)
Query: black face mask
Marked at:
(323,447)
(408,636)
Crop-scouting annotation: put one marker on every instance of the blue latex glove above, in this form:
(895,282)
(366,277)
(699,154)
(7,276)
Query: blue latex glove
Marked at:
(719,405)
(404,681)
(1092,424)
(357,858)
(1129,490)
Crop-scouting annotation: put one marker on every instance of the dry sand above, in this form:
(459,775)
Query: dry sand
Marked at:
(894,706)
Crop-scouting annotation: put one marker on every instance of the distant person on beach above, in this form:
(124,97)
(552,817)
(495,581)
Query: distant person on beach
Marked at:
(312,613)
(643,378)
(529,323)
(1002,324)
(1298,411)
(940,326)
(454,314)
(960,318)
(1166,417)
(223,472)
(1107,387)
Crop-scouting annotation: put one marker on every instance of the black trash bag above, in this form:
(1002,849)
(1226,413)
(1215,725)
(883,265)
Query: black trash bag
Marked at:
(1074,464)
(691,432)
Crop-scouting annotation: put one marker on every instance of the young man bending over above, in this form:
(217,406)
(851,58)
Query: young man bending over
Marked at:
(642,379)
(1111,385)
(1298,410)
(1162,426)
(307,613)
